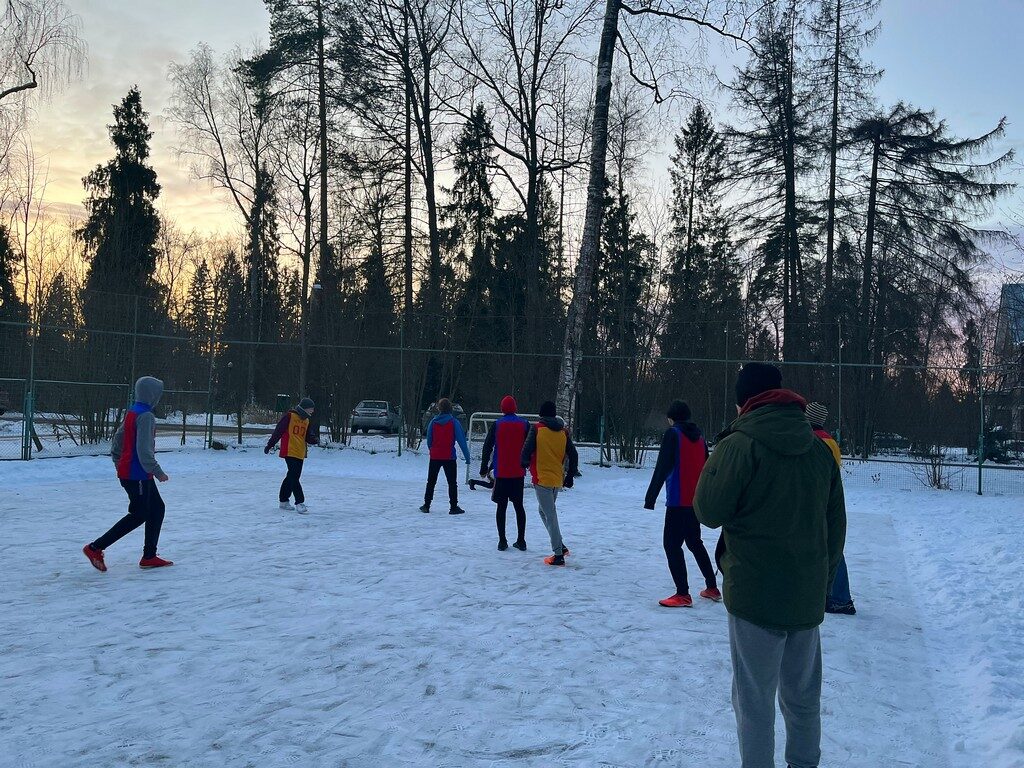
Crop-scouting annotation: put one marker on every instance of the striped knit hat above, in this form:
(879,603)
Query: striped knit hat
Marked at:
(817,414)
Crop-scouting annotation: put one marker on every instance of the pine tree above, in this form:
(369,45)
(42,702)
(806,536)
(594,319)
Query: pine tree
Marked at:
(12,308)
(841,35)
(321,37)
(704,277)
(773,155)
(620,326)
(925,189)
(122,227)
(471,235)
(199,314)
(231,386)
(471,209)
(58,347)
(623,276)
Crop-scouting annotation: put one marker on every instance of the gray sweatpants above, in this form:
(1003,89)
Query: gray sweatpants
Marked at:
(546,504)
(766,662)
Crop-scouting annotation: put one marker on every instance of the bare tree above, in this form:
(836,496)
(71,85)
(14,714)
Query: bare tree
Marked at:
(406,39)
(728,20)
(177,251)
(40,47)
(226,122)
(297,157)
(516,57)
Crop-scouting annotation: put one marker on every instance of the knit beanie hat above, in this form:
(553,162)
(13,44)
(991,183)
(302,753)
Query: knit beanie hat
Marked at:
(678,411)
(817,414)
(755,378)
(547,410)
(509,405)
(306,404)
(444,405)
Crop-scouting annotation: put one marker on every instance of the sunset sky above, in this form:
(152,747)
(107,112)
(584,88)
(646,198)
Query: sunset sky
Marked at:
(923,48)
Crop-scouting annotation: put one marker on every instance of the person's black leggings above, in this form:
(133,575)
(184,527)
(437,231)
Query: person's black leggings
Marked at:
(508,489)
(291,484)
(144,507)
(451,474)
(682,527)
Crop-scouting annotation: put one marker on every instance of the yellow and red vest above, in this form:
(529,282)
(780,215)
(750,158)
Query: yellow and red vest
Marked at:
(293,439)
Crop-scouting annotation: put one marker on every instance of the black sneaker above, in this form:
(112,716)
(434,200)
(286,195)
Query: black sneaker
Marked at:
(520,545)
(456,510)
(502,545)
(425,508)
(843,609)
(565,550)
(554,560)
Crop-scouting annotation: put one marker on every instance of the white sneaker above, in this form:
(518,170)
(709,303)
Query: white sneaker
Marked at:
(302,509)
(287,505)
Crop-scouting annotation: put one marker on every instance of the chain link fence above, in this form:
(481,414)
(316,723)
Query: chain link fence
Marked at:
(64,387)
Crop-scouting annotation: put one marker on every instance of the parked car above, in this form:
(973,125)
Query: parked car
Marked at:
(457,412)
(375,414)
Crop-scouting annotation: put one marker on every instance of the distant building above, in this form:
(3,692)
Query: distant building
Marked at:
(1008,403)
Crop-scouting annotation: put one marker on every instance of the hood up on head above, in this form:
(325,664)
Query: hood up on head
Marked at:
(148,390)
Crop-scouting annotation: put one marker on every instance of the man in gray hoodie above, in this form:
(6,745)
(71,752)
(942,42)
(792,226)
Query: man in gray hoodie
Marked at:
(134,455)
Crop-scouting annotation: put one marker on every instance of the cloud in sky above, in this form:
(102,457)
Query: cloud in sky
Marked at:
(961,58)
(132,43)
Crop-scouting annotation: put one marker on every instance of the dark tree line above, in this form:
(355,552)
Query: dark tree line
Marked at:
(410,176)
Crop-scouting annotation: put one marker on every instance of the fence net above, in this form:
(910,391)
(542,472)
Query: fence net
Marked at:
(64,387)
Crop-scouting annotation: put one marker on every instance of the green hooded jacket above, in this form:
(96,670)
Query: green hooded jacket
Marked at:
(777,493)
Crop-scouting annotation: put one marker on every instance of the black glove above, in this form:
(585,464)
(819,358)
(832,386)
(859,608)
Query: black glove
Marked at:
(648,504)
(266,449)
(567,483)
(483,470)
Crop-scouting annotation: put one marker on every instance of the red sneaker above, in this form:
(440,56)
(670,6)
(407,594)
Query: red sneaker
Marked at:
(711,593)
(555,560)
(154,562)
(95,557)
(677,601)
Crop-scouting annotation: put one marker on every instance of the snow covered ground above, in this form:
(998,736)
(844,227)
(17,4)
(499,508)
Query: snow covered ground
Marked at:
(368,634)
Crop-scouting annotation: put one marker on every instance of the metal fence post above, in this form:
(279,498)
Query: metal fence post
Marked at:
(981,433)
(135,342)
(839,418)
(28,415)
(514,353)
(209,398)
(26,424)
(401,384)
(604,408)
(725,381)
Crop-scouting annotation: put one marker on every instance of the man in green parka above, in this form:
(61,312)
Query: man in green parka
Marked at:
(776,492)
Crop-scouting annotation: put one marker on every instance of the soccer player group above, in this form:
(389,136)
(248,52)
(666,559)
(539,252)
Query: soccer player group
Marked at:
(772,484)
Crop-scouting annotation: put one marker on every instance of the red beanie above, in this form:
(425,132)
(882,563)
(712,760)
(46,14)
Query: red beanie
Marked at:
(508,405)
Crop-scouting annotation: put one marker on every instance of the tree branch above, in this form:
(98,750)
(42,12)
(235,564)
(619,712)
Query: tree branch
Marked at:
(33,83)
(717,29)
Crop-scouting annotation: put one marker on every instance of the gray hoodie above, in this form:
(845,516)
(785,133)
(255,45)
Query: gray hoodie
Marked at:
(148,391)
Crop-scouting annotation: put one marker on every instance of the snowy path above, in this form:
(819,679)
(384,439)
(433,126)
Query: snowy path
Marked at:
(368,634)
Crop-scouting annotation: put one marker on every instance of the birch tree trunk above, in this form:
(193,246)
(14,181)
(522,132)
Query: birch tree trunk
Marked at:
(572,347)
